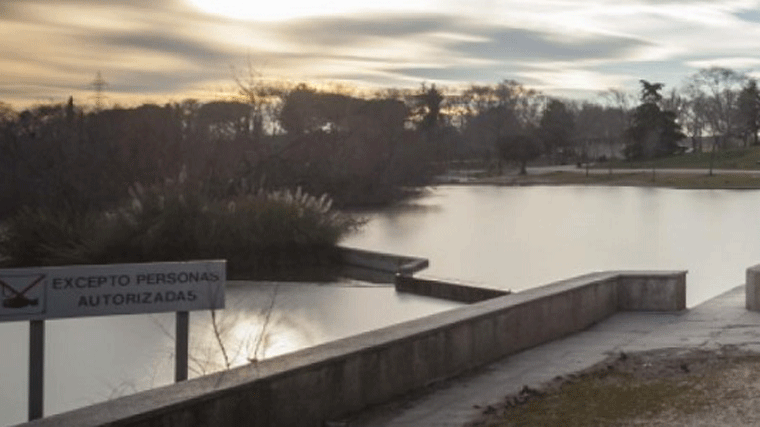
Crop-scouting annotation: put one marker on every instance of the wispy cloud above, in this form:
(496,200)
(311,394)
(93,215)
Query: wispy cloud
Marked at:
(53,48)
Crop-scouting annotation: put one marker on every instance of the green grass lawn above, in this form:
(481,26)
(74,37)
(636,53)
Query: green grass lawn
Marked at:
(736,158)
(645,179)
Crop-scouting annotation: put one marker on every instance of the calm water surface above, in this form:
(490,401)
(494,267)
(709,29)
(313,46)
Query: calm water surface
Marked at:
(514,238)
(521,237)
(90,360)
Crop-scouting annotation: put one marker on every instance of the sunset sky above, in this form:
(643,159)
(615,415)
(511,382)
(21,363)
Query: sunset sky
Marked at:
(167,50)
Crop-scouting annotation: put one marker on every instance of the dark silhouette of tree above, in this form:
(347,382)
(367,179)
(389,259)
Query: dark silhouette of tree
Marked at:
(428,104)
(556,128)
(265,99)
(355,149)
(650,92)
(695,116)
(598,127)
(296,111)
(653,132)
(307,110)
(519,148)
(227,121)
(719,88)
(498,111)
(749,111)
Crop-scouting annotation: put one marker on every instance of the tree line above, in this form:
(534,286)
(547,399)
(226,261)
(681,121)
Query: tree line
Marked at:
(360,148)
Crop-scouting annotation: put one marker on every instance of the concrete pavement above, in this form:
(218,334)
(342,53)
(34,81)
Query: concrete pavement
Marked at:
(720,321)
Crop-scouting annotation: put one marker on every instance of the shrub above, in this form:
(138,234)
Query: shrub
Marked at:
(260,235)
(38,236)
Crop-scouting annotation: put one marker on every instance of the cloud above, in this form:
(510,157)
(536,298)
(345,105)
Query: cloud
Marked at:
(736,63)
(84,4)
(465,35)
(350,31)
(519,44)
(445,48)
(752,16)
(188,48)
(155,82)
(162,46)
(451,74)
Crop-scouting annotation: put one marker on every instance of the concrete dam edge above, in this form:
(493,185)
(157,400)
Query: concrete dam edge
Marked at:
(329,381)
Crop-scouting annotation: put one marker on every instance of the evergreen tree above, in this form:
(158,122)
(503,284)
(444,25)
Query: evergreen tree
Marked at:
(653,132)
(556,128)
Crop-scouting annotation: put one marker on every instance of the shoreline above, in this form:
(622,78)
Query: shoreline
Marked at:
(662,178)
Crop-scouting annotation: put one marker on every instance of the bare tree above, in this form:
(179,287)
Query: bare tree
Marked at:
(617,118)
(265,98)
(749,112)
(721,88)
(694,116)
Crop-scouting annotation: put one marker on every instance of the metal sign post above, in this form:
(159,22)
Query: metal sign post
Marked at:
(182,325)
(36,368)
(37,294)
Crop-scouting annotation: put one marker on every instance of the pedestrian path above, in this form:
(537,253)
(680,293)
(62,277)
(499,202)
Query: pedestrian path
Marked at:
(720,321)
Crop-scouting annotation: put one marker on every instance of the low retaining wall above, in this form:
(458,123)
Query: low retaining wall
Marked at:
(447,290)
(380,261)
(327,382)
(651,291)
(752,292)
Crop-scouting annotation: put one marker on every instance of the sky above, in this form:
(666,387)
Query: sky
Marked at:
(168,50)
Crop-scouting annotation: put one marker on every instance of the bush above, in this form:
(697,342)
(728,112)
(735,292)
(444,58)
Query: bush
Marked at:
(260,235)
(37,236)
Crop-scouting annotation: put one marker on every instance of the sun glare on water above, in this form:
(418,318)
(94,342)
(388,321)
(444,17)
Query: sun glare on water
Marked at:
(281,10)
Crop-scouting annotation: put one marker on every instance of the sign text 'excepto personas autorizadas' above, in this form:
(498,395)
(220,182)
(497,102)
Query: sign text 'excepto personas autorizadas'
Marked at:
(99,290)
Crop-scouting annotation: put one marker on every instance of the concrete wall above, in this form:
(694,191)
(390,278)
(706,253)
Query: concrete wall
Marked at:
(652,291)
(752,294)
(380,261)
(327,382)
(447,290)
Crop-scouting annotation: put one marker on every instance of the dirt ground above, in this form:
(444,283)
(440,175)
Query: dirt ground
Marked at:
(683,387)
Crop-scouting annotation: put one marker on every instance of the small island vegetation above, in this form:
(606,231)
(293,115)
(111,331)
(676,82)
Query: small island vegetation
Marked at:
(262,235)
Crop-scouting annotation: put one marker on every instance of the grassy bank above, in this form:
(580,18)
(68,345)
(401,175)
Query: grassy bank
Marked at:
(736,158)
(660,178)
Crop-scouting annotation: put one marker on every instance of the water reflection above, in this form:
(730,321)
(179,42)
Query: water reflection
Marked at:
(521,237)
(90,360)
(512,237)
(256,325)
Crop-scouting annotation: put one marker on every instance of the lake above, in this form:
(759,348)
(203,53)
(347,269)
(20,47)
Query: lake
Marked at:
(90,360)
(510,237)
(522,237)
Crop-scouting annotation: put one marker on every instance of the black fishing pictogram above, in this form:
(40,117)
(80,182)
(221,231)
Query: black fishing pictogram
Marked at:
(18,299)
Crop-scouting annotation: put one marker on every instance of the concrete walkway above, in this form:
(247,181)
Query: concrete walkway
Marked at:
(717,322)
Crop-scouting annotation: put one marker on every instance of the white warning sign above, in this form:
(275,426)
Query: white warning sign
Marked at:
(101,290)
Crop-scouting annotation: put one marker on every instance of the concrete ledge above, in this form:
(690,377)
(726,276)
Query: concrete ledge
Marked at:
(752,293)
(652,291)
(327,382)
(447,290)
(381,261)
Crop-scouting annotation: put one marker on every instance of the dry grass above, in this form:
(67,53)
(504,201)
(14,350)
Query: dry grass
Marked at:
(671,387)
